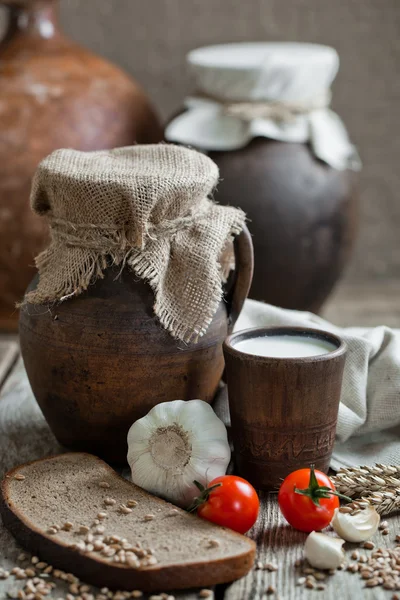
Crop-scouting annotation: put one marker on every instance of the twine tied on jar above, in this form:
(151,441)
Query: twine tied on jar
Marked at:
(279,111)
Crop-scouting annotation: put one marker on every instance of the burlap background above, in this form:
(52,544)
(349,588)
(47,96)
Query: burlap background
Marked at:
(150,40)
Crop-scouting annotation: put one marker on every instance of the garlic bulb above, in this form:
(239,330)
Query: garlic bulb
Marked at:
(175,444)
(323,551)
(358,527)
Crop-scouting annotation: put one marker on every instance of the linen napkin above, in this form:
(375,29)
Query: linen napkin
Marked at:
(368,429)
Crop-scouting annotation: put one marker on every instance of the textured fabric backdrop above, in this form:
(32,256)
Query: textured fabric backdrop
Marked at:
(150,40)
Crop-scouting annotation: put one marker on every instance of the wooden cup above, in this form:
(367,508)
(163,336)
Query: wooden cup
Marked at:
(283,410)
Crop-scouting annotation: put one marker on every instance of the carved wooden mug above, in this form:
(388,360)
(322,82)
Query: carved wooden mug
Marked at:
(283,410)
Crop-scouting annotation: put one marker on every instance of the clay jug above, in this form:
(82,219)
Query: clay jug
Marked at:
(100,361)
(252,112)
(53,94)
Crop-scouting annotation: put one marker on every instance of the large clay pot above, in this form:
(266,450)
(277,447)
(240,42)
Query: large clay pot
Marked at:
(53,94)
(100,361)
(302,215)
(300,198)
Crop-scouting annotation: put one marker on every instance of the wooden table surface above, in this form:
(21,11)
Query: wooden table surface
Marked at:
(24,435)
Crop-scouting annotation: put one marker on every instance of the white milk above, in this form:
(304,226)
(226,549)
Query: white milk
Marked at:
(284,346)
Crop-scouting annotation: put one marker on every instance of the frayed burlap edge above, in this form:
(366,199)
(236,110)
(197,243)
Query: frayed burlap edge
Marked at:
(178,329)
(94,265)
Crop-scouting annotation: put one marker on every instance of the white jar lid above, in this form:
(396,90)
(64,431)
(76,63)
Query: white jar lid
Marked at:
(285,71)
(264,76)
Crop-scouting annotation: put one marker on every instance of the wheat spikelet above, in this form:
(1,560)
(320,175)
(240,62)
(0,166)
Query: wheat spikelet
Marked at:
(385,502)
(380,485)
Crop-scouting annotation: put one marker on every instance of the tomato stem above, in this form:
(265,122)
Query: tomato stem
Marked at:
(203,496)
(315,491)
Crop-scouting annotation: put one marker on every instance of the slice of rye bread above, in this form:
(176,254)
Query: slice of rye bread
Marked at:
(190,551)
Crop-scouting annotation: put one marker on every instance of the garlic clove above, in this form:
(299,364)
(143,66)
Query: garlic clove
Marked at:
(174,444)
(197,413)
(164,413)
(324,551)
(359,527)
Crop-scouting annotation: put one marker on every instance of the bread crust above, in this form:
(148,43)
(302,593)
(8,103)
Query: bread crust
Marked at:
(117,575)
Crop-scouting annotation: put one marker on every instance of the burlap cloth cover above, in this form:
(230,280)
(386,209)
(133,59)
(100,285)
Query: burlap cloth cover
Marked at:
(145,207)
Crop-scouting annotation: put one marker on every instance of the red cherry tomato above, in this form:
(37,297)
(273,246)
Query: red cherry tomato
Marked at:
(229,501)
(308,499)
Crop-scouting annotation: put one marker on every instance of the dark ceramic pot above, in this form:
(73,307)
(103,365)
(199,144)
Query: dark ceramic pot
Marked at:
(303,218)
(98,362)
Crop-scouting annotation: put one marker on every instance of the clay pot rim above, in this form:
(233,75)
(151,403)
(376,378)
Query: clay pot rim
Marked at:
(320,334)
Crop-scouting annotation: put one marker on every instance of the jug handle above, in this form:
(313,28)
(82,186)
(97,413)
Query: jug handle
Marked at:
(243,275)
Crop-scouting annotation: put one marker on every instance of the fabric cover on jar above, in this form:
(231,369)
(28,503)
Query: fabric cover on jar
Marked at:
(275,90)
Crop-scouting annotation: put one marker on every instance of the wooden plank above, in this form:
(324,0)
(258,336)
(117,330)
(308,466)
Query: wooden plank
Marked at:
(365,305)
(280,544)
(361,305)
(8,355)
(24,436)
